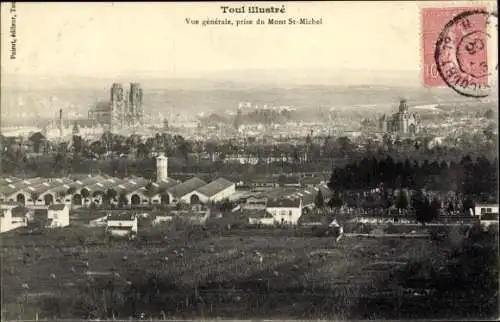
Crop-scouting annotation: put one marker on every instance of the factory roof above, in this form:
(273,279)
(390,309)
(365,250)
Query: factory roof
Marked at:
(9,180)
(83,182)
(215,187)
(186,187)
(131,184)
(21,185)
(48,186)
(159,187)
(103,185)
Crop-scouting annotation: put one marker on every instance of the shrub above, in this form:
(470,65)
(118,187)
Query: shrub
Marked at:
(391,229)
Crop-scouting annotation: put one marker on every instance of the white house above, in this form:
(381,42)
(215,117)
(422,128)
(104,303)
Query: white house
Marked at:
(481,209)
(12,217)
(285,210)
(215,191)
(122,224)
(58,214)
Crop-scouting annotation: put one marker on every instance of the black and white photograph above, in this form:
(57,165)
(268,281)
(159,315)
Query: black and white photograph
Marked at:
(249,161)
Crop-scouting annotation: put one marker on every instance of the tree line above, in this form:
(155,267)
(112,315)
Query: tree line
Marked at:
(477,177)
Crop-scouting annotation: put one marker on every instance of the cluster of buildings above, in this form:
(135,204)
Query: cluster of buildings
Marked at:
(124,109)
(85,191)
(282,205)
(50,200)
(14,215)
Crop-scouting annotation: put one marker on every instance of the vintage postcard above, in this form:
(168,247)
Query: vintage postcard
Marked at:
(249,160)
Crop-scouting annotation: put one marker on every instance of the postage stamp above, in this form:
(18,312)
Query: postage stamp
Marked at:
(455,42)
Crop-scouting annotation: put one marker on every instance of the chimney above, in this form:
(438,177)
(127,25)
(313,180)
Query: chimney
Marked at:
(60,123)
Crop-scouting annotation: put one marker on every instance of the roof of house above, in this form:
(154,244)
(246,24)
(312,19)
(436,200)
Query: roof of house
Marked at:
(260,214)
(59,206)
(125,228)
(265,180)
(122,216)
(284,203)
(186,187)
(215,187)
(36,136)
(312,180)
(289,180)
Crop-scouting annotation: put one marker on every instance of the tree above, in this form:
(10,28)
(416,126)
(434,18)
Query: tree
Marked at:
(85,194)
(151,191)
(226,205)
(75,130)
(335,201)
(122,199)
(450,208)
(468,205)
(401,202)
(38,140)
(489,114)
(34,197)
(435,208)
(423,212)
(110,195)
(319,200)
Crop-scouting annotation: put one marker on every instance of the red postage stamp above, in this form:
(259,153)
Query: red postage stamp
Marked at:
(454,42)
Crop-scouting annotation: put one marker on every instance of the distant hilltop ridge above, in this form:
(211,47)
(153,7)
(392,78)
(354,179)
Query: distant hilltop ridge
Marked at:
(281,78)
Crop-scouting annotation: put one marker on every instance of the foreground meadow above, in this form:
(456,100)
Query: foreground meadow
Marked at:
(75,273)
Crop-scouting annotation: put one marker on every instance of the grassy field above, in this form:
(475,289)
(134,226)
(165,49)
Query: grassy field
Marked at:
(72,273)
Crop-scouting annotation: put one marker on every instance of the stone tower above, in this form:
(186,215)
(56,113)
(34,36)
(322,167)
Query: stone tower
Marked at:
(135,102)
(161,168)
(118,105)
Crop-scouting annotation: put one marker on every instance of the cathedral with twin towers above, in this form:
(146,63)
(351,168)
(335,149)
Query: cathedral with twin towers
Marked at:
(124,109)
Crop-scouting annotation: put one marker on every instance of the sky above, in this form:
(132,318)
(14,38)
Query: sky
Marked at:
(121,39)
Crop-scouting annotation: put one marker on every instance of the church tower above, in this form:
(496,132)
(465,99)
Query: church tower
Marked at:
(403,107)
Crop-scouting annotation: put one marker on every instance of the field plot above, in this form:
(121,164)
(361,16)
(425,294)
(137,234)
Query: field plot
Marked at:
(73,273)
